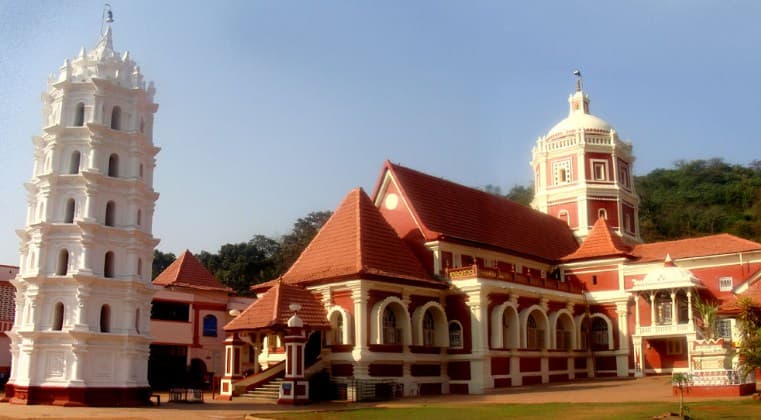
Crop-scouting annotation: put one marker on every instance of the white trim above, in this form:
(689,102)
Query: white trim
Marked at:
(554,317)
(497,329)
(376,320)
(348,324)
(524,319)
(441,324)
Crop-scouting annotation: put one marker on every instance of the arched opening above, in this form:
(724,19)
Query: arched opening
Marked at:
(140,171)
(337,328)
(563,332)
(599,334)
(105,319)
(209,326)
(110,213)
(455,335)
(68,216)
(137,321)
(76,160)
(116,118)
(139,217)
(390,323)
(602,214)
(140,268)
(510,328)
(536,330)
(113,165)
(392,334)
(429,329)
(79,115)
(142,125)
(58,317)
(62,268)
(108,265)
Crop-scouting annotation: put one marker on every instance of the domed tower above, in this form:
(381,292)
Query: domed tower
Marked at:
(583,171)
(83,302)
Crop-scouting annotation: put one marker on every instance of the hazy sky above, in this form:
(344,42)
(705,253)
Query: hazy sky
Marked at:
(270,110)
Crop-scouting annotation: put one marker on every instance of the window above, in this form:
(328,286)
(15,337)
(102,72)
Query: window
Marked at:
(110,213)
(594,280)
(599,170)
(105,319)
(142,125)
(429,329)
(75,162)
(602,214)
(140,268)
(62,268)
(391,334)
(116,118)
(623,174)
(108,265)
(137,321)
(209,326)
(139,217)
(599,333)
(534,335)
(584,345)
(562,172)
(562,337)
(68,216)
(58,317)
(113,165)
(338,328)
(455,335)
(628,222)
(675,346)
(725,284)
(724,329)
(140,171)
(170,311)
(79,115)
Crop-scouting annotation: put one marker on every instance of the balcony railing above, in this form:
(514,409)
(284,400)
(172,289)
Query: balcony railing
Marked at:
(475,271)
(665,330)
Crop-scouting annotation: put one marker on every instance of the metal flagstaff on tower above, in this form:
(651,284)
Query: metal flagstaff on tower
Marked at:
(106,17)
(577,73)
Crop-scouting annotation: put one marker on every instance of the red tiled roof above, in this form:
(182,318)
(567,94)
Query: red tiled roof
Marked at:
(272,310)
(723,243)
(601,242)
(446,210)
(731,306)
(357,242)
(187,271)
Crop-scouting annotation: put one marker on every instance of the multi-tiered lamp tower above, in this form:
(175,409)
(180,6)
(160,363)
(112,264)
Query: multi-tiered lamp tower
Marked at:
(82,329)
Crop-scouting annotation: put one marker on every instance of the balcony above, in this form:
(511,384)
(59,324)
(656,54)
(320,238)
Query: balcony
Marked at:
(665,330)
(475,271)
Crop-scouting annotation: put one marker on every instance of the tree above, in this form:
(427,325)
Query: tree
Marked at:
(750,336)
(161,261)
(293,243)
(682,382)
(707,311)
(240,265)
(521,194)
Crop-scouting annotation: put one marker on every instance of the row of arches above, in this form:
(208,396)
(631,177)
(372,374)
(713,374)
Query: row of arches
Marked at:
(116,122)
(104,319)
(73,164)
(109,218)
(63,264)
(534,329)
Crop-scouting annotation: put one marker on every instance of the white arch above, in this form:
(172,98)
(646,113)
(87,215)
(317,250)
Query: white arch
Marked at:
(348,324)
(579,323)
(497,330)
(401,312)
(524,319)
(441,338)
(554,317)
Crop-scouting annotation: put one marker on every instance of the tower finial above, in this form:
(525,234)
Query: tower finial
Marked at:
(577,73)
(106,17)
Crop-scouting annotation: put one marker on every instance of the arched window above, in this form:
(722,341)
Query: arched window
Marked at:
(599,333)
(68,216)
(108,265)
(139,217)
(79,115)
(58,317)
(105,319)
(510,328)
(116,118)
(209,326)
(455,335)
(429,329)
(602,213)
(562,175)
(140,171)
(113,165)
(137,321)
(142,125)
(110,213)
(62,268)
(563,334)
(140,268)
(76,158)
(534,334)
(337,326)
(391,333)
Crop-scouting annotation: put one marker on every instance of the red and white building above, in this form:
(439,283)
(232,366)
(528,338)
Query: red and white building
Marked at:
(443,288)
(7,313)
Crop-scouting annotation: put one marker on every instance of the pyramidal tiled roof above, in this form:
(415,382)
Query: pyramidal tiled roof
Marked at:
(446,210)
(357,242)
(272,310)
(601,242)
(723,243)
(187,271)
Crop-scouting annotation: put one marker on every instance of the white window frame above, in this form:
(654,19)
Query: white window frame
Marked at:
(675,346)
(724,328)
(456,340)
(557,166)
(595,163)
(725,284)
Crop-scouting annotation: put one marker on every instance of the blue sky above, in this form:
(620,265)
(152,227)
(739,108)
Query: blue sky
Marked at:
(270,110)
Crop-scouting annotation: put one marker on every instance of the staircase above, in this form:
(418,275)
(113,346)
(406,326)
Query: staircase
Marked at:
(267,392)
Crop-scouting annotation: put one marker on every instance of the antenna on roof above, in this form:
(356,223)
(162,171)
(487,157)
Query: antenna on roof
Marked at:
(106,17)
(577,73)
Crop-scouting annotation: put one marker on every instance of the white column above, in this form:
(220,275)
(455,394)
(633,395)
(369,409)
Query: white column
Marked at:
(673,308)
(652,309)
(361,349)
(689,306)
(479,365)
(622,359)
(636,313)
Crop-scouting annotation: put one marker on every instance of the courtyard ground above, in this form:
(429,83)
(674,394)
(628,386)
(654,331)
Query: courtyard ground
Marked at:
(649,389)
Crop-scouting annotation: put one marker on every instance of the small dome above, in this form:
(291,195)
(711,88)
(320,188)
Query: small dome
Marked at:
(579,117)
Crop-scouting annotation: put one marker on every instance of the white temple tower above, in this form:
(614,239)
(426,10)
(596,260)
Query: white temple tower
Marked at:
(83,301)
(583,171)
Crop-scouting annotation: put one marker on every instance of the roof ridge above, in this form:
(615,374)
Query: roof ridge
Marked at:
(360,262)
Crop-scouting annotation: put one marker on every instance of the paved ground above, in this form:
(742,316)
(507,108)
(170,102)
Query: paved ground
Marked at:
(655,388)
